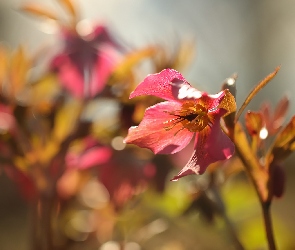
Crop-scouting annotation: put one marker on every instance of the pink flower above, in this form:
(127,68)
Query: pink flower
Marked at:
(169,126)
(86,63)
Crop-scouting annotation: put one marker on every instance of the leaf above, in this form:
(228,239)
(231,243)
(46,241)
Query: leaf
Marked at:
(284,143)
(257,172)
(19,67)
(69,6)
(258,87)
(254,122)
(44,91)
(3,63)
(177,58)
(131,60)
(66,119)
(185,55)
(39,11)
(280,112)
(122,78)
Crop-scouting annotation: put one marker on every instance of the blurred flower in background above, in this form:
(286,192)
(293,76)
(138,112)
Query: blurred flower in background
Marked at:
(67,175)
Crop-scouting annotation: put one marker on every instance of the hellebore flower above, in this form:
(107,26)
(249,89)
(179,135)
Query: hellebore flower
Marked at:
(86,62)
(169,126)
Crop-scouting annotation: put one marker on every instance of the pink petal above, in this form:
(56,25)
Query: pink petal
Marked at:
(102,70)
(159,85)
(151,131)
(69,75)
(90,158)
(212,101)
(75,80)
(94,156)
(211,145)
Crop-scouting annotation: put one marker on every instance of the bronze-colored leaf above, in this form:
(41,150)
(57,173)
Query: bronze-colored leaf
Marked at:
(69,6)
(123,77)
(131,60)
(256,89)
(19,67)
(177,57)
(254,122)
(257,172)
(43,92)
(66,120)
(3,63)
(37,10)
(284,143)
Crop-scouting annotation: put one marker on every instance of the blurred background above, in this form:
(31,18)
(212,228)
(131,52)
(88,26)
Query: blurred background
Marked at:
(250,38)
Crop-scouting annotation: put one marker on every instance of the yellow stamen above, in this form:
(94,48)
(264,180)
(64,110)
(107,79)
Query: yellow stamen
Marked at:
(192,116)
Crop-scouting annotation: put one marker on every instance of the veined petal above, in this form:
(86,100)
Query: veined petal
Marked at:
(151,131)
(212,101)
(211,145)
(165,85)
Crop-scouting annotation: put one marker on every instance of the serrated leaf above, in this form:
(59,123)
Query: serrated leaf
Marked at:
(257,172)
(39,11)
(256,89)
(284,143)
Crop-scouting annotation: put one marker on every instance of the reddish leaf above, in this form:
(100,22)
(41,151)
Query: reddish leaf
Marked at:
(254,122)
(284,143)
(280,112)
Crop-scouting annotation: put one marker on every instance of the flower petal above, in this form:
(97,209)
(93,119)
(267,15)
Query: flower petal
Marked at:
(213,101)
(102,70)
(211,145)
(151,131)
(165,85)
(69,75)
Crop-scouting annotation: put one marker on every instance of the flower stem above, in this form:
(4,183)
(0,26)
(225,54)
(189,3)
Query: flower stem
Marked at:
(42,235)
(268,225)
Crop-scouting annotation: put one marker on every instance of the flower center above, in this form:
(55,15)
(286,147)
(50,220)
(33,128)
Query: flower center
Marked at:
(192,116)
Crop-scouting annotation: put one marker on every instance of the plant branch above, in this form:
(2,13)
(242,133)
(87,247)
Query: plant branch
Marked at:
(268,225)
